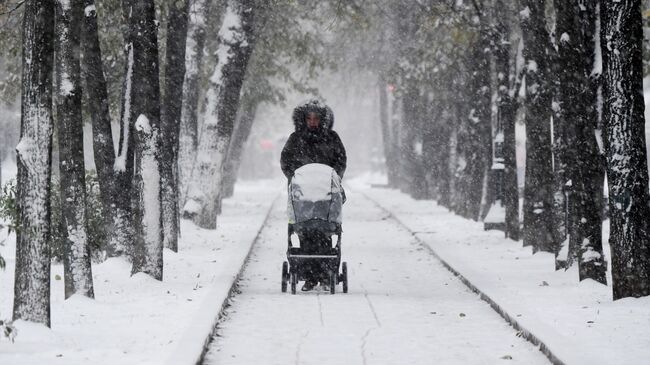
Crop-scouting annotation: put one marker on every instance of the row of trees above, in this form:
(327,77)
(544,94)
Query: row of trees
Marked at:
(571,71)
(183,118)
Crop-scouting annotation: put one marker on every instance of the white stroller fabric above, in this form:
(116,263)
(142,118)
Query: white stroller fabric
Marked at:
(315,192)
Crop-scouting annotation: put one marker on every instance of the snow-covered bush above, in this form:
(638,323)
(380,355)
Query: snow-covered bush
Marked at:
(8,211)
(8,330)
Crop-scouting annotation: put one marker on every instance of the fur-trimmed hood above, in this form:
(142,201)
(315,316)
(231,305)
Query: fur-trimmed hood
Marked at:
(314,105)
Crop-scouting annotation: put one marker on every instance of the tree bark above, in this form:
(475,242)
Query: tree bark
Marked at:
(171,115)
(76,253)
(199,11)
(222,99)
(627,166)
(34,155)
(145,97)
(98,107)
(538,193)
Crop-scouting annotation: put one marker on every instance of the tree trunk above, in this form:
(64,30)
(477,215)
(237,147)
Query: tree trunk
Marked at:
(567,83)
(222,99)
(538,194)
(395,132)
(452,162)
(239,138)
(76,253)
(389,154)
(480,126)
(431,143)
(34,154)
(411,177)
(590,164)
(189,128)
(581,167)
(443,141)
(122,238)
(506,114)
(98,107)
(627,167)
(145,97)
(171,115)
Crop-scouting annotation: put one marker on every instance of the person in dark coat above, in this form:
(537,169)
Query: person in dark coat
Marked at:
(313,141)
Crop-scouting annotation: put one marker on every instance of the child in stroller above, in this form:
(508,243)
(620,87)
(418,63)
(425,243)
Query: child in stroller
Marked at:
(315,200)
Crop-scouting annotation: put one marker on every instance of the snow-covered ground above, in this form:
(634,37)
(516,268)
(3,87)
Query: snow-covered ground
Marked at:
(135,319)
(579,322)
(403,306)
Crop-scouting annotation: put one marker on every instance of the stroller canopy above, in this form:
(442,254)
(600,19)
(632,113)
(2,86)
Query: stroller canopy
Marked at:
(315,194)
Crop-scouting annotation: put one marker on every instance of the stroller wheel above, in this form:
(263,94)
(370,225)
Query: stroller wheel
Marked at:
(285,276)
(294,282)
(332,282)
(344,269)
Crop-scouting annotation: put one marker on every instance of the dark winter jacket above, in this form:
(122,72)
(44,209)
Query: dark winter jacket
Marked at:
(321,145)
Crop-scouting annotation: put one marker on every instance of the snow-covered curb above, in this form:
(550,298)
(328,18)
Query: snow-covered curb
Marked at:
(573,323)
(193,345)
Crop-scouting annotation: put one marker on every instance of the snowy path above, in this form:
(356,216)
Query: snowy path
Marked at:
(403,307)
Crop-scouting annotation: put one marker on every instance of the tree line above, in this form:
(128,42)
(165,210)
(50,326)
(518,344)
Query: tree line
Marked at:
(454,79)
(170,89)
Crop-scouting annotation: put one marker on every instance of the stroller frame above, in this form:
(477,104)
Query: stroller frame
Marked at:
(293,270)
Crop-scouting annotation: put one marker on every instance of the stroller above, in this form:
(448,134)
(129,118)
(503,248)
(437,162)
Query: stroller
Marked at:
(315,204)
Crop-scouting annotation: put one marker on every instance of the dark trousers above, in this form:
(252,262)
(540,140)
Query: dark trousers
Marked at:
(313,242)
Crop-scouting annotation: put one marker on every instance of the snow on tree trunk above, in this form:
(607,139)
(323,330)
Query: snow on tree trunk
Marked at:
(171,115)
(538,193)
(34,155)
(240,136)
(148,254)
(507,114)
(222,101)
(199,11)
(97,96)
(145,97)
(627,167)
(76,251)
